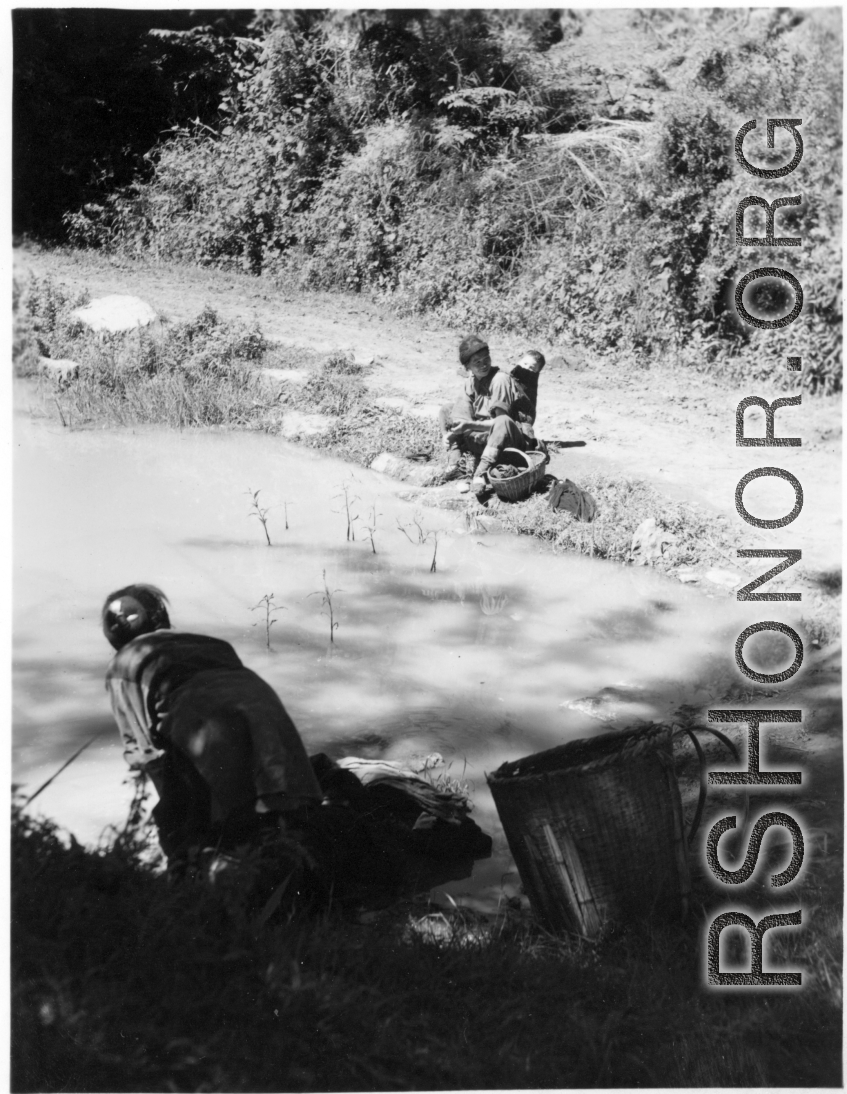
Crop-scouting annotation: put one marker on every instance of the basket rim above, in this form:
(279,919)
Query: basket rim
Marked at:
(532,472)
(526,455)
(585,754)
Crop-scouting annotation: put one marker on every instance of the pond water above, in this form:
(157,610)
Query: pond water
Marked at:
(479,660)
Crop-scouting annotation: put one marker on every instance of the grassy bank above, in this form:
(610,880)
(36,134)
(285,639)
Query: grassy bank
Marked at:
(123,980)
(208,372)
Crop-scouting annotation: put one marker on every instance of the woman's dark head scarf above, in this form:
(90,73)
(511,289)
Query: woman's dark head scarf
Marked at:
(134,610)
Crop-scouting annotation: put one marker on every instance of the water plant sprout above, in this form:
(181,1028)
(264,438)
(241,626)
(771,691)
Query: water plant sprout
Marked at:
(326,601)
(267,602)
(351,517)
(260,513)
(423,535)
(370,528)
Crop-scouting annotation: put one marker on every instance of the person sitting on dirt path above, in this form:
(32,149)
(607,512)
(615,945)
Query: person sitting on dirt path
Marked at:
(484,420)
(233,777)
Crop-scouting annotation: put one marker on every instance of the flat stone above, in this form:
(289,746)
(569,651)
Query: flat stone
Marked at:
(439,498)
(296,424)
(363,359)
(390,402)
(60,369)
(725,578)
(612,705)
(406,470)
(116,313)
(649,543)
(425,410)
(278,378)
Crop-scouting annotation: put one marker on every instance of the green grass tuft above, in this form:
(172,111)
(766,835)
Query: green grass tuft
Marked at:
(622,504)
(125,980)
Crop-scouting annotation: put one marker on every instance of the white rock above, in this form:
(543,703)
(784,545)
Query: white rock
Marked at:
(592,706)
(425,410)
(417,764)
(625,702)
(294,423)
(687,577)
(724,578)
(649,542)
(61,370)
(362,359)
(116,313)
(406,470)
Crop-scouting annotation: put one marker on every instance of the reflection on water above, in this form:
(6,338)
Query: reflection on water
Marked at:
(480,660)
(492,600)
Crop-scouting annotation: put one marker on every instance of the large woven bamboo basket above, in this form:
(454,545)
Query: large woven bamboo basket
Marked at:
(520,486)
(596,831)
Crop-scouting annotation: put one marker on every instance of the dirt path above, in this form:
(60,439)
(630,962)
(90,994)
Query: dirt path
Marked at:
(671,428)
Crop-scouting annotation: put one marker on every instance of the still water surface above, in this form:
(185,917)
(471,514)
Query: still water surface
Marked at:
(478,661)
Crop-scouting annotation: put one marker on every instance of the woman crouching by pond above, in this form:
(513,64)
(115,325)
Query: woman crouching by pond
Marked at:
(233,776)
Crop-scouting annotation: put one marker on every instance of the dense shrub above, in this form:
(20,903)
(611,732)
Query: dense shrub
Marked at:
(41,310)
(125,979)
(451,162)
(95,88)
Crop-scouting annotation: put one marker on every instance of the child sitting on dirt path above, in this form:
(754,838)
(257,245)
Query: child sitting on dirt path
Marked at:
(525,375)
(485,418)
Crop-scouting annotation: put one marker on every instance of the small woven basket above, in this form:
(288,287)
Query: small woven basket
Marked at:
(520,486)
(596,831)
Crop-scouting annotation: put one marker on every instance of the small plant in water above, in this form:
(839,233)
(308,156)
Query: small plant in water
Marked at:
(421,535)
(370,528)
(326,601)
(434,552)
(351,517)
(444,781)
(267,602)
(260,513)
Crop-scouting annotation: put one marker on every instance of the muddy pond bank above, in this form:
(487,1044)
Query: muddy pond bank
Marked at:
(503,650)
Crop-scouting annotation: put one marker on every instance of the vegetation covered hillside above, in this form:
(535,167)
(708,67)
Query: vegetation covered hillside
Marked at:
(569,174)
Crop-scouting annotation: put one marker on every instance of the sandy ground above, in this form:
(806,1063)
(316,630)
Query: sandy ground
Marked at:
(671,428)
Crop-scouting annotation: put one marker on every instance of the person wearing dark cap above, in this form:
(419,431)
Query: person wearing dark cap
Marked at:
(214,738)
(484,420)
